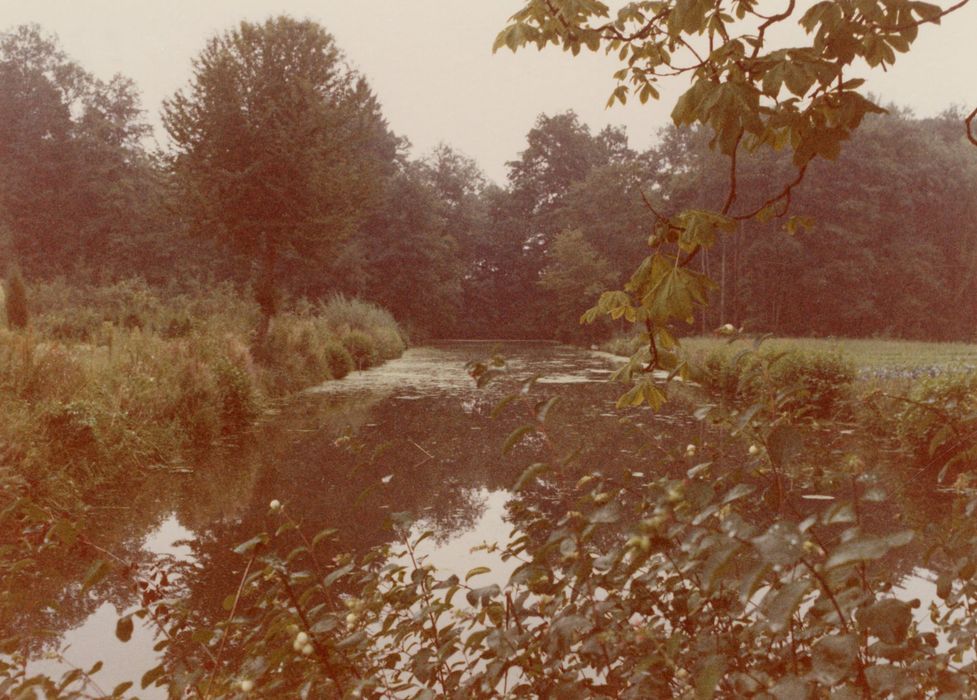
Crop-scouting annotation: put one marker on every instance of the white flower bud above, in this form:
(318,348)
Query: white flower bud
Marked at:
(307,649)
(247,686)
(275,506)
(754,450)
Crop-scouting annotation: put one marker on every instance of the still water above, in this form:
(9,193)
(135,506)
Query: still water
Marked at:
(414,435)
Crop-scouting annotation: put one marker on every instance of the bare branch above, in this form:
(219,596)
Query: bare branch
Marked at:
(917,23)
(731,197)
(784,195)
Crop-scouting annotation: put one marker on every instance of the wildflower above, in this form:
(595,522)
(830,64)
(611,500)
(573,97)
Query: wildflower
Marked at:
(690,450)
(275,506)
(247,686)
(307,650)
(754,450)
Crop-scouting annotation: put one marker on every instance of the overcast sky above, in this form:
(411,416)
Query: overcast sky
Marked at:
(430,63)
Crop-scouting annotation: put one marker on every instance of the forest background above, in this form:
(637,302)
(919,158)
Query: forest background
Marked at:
(451,254)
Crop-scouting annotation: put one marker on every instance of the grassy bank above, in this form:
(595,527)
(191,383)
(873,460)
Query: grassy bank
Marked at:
(870,356)
(111,380)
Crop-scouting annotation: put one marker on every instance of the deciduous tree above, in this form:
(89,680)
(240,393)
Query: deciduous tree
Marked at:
(280,147)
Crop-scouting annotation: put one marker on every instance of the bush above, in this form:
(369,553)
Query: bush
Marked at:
(15,300)
(937,423)
(361,348)
(343,314)
(338,358)
(389,342)
(239,397)
(803,383)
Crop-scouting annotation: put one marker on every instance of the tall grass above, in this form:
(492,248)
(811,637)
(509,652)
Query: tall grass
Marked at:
(110,380)
(870,355)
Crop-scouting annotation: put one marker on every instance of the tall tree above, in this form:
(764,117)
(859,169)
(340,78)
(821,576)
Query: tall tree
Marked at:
(280,148)
(74,174)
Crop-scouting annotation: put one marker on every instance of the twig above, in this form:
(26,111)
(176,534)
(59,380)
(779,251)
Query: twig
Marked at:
(429,455)
(220,649)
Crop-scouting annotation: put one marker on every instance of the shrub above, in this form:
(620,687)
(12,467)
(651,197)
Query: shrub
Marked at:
(389,342)
(238,395)
(338,358)
(15,300)
(937,423)
(343,314)
(361,348)
(802,383)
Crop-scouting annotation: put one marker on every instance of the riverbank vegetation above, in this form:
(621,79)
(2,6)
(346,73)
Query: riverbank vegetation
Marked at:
(762,559)
(111,380)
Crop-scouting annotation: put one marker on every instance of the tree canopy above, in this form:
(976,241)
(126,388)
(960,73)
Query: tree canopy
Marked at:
(279,146)
(748,92)
(75,191)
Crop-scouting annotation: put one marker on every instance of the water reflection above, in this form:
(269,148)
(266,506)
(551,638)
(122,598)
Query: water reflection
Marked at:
(412,436)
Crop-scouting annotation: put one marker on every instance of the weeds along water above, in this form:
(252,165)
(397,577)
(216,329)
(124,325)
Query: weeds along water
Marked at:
(110,389)
(627,529)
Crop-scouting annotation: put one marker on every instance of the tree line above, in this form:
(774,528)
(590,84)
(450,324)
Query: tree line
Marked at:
(282,174)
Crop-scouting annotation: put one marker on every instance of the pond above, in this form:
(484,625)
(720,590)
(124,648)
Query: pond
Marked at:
(413,436)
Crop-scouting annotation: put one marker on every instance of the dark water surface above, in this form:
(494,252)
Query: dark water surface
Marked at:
(414,435)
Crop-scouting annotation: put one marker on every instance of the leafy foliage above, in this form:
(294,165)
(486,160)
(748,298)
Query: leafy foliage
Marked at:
(746,93)
(278,145)
(805,384)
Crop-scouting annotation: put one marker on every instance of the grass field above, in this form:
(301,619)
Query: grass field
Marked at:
(871,356)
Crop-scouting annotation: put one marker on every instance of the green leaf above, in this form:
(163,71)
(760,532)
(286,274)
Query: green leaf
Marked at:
(482,595)
(543,408)
(737,492)
(516,436)
(151,676)
(781,545)
(123,628)
(833,658)
(500,406)
(708,676)
(887,619)
(529,474)
(352,640)
(780,606)
(121,688)
(252,544)
(96,572)
(335,575)
(866,548)
(322,535)
(792,688)
(887,680)
(477,571)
